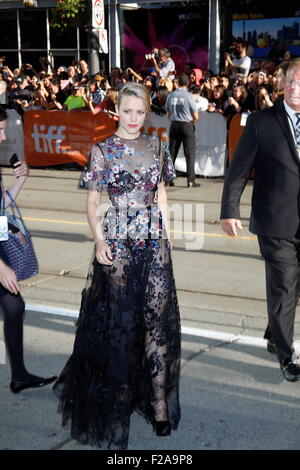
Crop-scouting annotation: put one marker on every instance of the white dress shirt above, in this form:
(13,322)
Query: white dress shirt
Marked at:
(292,122)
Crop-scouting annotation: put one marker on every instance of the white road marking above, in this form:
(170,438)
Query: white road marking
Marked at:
(218,335)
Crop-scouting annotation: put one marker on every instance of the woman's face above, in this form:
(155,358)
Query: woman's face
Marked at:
(148,84)
(217,94)
(236,93)
(71,71)
(3,125)
(261,77)
(36,96)
(132,114)
(273,80)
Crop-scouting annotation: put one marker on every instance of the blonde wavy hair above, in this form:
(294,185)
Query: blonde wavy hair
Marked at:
(139,91)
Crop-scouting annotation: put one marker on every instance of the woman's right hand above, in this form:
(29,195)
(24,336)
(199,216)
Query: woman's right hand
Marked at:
(8,279)
(103,253)
(21,169)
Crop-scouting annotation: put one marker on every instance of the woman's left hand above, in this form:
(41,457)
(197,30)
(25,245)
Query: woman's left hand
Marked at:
(21,169)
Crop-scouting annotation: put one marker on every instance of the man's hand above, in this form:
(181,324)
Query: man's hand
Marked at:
(228,58)
(230,226)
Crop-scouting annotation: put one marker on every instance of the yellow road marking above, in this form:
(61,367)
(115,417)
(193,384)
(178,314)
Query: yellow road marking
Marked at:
(55,221)
(205,234)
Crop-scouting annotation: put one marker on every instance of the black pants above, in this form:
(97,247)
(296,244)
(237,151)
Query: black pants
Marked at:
(183,132)
(13,309)
(282,262)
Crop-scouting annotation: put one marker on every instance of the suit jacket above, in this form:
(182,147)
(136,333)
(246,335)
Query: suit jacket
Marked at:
(268,146)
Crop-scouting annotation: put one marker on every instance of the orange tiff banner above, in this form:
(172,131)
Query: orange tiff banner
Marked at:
(55,137)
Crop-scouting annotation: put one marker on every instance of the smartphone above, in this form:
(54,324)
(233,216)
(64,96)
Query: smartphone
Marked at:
(112,113)
(14,159)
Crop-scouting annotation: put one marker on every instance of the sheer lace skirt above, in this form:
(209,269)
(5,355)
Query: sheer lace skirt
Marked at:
(126,353)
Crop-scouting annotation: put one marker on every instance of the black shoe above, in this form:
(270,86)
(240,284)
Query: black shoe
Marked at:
(271,346)
(193,184)
(290,371)
(170,183)
(16,387)
(162,428)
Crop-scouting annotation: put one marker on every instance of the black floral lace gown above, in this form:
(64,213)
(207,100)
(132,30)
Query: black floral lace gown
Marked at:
(126,353)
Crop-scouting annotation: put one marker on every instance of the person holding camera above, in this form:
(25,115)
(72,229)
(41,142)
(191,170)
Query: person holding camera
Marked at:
(96,94)
(57,98)
(20,95)
(239,66)
(163,64)
(208,85)
(108,104)
(77,99)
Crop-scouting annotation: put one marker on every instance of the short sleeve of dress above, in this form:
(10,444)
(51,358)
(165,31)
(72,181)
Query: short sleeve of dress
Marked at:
(94,174)
(168,172)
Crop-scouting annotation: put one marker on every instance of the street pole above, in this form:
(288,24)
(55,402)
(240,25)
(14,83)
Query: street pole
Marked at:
(93,43)
(114,35)
(214,36)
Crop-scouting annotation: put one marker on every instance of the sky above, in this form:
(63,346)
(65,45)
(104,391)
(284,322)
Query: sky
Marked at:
(270,25)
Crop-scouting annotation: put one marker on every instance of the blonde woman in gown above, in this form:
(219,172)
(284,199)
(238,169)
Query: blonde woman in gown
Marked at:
(126,354)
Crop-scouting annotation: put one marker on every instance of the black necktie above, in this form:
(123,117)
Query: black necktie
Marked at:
(297,129)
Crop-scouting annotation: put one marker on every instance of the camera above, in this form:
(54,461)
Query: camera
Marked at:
(152,55)
(240,77)
(232,52)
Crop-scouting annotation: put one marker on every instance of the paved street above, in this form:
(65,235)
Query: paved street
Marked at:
(232,392)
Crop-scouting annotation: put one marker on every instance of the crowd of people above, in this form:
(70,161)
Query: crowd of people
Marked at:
(242,86)
(127,350)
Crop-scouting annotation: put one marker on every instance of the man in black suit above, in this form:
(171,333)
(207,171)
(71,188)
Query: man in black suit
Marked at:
(271,145)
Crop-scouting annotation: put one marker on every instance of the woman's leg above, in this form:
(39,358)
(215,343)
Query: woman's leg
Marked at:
(162,338)
(13,308)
